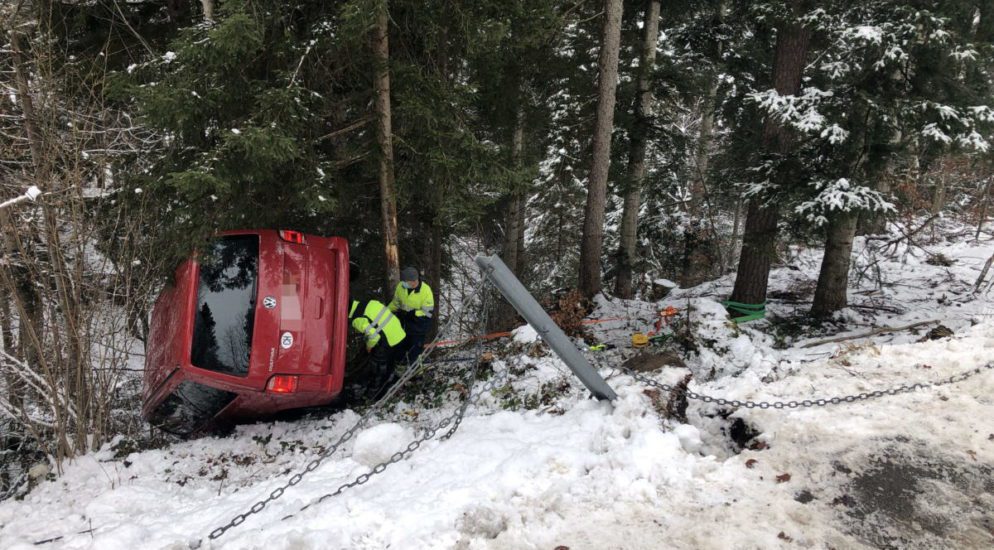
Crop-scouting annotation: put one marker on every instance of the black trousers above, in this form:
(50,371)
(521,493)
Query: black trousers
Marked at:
(417,329)
(382,359)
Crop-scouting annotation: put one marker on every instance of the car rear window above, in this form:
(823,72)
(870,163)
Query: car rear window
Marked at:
(226,295)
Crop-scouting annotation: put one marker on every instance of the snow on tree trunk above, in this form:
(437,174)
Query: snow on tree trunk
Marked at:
(593,222)
(384,139)
(830,295)
(636,156)
(759,238)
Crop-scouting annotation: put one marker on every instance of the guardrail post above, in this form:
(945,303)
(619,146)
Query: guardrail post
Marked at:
(516,294)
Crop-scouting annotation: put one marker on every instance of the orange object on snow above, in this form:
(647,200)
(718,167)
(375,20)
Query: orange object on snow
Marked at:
(664,319)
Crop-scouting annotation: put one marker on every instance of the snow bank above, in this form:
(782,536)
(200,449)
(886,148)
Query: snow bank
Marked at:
(539,464)
(379,443)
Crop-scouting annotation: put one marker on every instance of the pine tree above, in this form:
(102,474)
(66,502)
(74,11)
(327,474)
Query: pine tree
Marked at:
(384,140)
(592,239)
(243,130)
(893,76)
(759,239)
(637,152)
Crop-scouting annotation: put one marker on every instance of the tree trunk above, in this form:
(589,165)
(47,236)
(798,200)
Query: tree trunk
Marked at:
(208,9)
(511,248)
(830,296)
(699,244)
(513,227)
(698,183)
(6,327)
(519,269)
(28,301)
(14,389)
(875,223)
(593,222)
(636,156)
(435,269)
(983,209)
(759,239)
(733,247)
(939,195)
(26,102)
(384,139)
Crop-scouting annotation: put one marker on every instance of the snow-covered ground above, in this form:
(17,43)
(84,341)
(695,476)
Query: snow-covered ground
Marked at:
(538,465)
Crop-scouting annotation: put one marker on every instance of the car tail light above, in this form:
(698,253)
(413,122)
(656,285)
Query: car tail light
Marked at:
(295,237)
(282,383)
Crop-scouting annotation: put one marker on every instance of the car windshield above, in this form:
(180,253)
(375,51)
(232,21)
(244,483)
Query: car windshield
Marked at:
(226,294)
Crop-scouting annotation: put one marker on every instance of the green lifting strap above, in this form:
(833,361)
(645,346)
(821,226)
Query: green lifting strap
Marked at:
(750,312)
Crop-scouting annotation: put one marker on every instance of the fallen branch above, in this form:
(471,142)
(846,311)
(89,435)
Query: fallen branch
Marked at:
(874,332)
(876,308)
(908,236)
(905,235)
(983,274)
(871,307)
(30,195)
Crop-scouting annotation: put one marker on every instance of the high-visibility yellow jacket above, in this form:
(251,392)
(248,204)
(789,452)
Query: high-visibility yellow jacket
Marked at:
(373,320)
(420,300)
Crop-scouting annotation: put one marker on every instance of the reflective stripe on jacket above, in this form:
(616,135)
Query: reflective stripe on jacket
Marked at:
(420,300)
(374,319)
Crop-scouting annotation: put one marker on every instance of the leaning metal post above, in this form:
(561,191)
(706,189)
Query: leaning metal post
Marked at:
(515,293)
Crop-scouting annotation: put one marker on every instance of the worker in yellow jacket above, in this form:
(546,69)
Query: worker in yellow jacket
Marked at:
(414,303)
(385,339)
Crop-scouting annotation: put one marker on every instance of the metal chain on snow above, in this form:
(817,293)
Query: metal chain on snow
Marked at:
(468,384)
(822,402)
(395,458)
(313,465)
(299,476)
(452,420)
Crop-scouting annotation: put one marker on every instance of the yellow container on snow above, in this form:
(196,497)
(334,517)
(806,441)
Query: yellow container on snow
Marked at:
(640,340)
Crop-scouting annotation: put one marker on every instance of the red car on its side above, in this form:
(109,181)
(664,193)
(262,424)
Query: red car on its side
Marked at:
(254,325)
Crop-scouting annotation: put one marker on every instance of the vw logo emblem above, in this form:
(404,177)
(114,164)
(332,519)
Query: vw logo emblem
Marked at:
(269,302)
